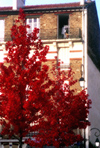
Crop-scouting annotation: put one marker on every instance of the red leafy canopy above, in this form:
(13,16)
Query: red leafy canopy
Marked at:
(30,100)
(68,113)
(22,80)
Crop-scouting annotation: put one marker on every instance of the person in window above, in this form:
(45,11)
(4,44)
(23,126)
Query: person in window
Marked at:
(66,34)
(63,32)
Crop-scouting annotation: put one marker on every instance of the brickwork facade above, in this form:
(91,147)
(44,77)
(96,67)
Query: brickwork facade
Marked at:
(50,63)
(75,65)
(48,26)
(75,21)
(9,22)
(13,146)
(48,30)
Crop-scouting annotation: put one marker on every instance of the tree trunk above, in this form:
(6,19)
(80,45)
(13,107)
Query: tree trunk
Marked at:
(20,142)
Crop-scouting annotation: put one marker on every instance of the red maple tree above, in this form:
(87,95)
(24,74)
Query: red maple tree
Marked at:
(68,113)
(31,101)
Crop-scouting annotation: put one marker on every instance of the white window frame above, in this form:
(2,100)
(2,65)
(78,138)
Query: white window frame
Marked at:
(1,56)
(63,57)
(33,24)
(2,28)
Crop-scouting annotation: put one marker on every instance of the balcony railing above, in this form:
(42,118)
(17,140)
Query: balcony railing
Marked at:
(46,34)
(52,33)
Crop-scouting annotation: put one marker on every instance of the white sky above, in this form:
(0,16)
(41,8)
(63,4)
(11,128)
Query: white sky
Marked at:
(36,2)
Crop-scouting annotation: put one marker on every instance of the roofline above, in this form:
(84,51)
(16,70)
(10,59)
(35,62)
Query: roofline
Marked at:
(15,12)
(53,9)
(43,10)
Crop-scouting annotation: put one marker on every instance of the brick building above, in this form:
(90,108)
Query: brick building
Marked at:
(72,32)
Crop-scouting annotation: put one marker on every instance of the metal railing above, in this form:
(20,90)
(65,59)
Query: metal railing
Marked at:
(46,34)
(52,33)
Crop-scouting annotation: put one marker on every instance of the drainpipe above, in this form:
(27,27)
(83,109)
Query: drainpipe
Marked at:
(85,63)
(86,69)
(85,50)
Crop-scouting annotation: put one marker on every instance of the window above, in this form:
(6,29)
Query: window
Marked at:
(33,23)
(63,56)
(2,30)
(63,24)
(1,56)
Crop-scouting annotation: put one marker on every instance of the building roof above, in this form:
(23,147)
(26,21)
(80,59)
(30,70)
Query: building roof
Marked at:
(5,8)
(76,4)
(53,6)
(43,8)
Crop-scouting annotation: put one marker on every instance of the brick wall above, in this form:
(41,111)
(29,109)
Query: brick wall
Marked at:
(50,64)
(13,146)
(75,65)
(48,26)
(9,21)
(75,20)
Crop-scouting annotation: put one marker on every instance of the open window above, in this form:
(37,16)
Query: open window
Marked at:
(63,26)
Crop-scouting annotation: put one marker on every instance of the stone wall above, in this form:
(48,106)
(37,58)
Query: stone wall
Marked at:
(48,26)
(75,20)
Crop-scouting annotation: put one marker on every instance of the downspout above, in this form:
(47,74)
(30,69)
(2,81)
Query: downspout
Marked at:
(85,62)
(57,26)
(86,50)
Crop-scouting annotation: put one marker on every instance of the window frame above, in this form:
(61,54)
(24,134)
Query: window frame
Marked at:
(64,64)
(33,23)
(2,31)
(59,30)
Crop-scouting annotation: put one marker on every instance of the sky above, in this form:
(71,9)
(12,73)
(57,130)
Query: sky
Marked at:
(37,2)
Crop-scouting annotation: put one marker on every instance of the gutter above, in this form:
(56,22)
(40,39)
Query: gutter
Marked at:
(43,10)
